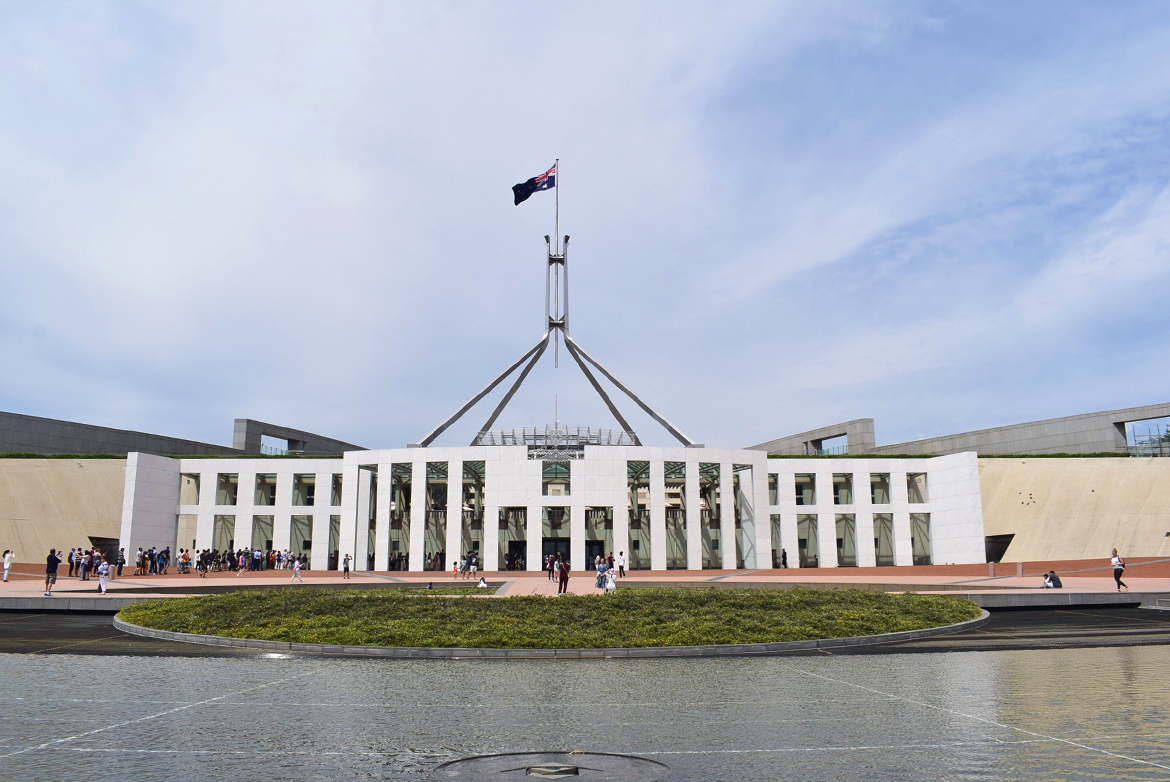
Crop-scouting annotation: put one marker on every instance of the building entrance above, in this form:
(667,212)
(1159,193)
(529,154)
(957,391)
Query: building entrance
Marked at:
(514,558)
(556,546)
(593,550)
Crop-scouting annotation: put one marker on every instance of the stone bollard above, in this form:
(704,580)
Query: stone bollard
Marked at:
(1020,569)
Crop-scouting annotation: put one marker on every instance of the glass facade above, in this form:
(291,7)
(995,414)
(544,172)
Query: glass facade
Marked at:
(513,526)
(842,488)
(777,543)
(883,539)
(879,488)
(916,488)
(435,536)
(920,538)
(806,489)
(223,533)
(472,508)
(335,543)
(398,557)
(262,532)
(304,490)
(189,489)
(846,540)
(675,474)
(301,536)
(638,490)
(709,510)
(226,486)
(555,479)
(265,489)
(807,540)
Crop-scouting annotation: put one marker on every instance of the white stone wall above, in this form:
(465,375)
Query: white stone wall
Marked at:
(150,504)
(953,502)
(150,516)
(245,508)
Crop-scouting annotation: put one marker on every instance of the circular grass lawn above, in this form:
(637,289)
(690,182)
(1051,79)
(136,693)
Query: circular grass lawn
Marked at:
(631,618)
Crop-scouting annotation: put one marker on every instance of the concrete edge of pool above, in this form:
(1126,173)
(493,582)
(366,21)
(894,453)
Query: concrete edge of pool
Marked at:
(435,653)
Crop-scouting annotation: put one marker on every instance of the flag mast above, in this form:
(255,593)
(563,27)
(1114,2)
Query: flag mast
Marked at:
(557,219)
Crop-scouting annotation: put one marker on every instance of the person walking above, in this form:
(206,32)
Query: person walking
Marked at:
(621,564)
(1118,568)
(51,563)
(297,571)
(121,561)
(563,579)
(8,557)
(345,566)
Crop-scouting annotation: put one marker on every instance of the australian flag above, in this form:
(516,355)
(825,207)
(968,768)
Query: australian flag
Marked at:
(546,181)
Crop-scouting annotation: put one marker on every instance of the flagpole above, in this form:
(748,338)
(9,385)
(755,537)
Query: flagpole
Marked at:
(557,221)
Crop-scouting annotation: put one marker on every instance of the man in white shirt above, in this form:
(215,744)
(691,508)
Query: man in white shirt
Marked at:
(621,564)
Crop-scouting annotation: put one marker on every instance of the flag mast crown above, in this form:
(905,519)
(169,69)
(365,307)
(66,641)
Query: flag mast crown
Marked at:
(556,326)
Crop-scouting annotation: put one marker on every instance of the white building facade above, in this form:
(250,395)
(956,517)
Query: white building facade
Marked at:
(665,507)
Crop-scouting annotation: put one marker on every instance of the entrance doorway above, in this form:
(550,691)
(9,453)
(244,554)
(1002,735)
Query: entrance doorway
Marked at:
(555,546)
(514,559)
(593,550)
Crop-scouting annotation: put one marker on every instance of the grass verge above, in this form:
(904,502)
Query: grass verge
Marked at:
(631,618)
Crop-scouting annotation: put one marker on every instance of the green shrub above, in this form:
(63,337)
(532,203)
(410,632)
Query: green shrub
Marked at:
(631,618)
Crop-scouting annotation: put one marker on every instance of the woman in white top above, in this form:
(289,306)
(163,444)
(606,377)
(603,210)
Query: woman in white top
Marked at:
(1118,568)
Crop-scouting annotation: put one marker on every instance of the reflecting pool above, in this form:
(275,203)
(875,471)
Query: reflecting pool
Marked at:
(1073,714)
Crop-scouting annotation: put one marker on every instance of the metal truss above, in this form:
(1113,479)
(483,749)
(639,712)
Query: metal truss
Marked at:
(556,312)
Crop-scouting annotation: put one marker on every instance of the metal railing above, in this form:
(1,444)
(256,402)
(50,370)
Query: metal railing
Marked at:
(553,436)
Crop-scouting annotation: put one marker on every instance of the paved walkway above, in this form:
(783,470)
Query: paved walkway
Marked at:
(1147,575)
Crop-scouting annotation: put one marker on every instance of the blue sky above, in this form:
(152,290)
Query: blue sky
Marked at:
(944,216)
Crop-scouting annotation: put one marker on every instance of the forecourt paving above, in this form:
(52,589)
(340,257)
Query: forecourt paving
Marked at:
(1086,582)
(1086,612)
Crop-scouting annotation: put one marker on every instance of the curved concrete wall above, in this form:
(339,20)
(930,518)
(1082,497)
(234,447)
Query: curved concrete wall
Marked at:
(55,503)
(1069,508)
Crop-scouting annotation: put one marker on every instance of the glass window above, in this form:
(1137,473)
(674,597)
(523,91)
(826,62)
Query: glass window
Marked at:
(920,537)
(262,533)
(675,476)
(304,489)
(513,538)
(265,489)
(189,489)
(883,539)
(638,507)
(472,506)
(806,489)
(335,492)
(916,487)
(773,489)
(301,537)
(223,533)
(555,479)
(334,542)
(807,540)
(435,538)
(842,489)
(779,555)
(710,508)
(879,488)
(226,487)
(846,540)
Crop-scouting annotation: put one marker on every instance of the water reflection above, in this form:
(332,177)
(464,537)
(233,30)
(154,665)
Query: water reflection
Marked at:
(1078,714)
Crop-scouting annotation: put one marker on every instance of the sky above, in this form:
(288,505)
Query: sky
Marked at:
(941,215)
